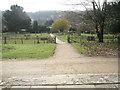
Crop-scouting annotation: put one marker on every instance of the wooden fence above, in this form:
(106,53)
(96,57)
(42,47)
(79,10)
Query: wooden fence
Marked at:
(83,39)
(27,40)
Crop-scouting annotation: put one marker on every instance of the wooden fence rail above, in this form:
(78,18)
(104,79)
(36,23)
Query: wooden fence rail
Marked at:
(30,40)
(80,39)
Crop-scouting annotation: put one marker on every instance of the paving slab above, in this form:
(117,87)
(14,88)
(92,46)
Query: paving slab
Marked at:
(106,86)
(76,86)
(6,87)
(43,87)
(20,88)
(1,87)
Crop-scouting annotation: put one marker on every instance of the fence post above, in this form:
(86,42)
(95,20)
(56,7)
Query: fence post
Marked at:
(5,40)
(37,39)
(34,40)
(15,40)
(55,39)
(79,39)
(21,40)
(68,39)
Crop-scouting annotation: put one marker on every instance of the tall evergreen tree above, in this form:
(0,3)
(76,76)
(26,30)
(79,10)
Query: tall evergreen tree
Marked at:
(35,26)
(16,19)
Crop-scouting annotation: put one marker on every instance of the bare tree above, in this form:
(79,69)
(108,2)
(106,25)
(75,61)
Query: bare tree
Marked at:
(99,14)
(99,18)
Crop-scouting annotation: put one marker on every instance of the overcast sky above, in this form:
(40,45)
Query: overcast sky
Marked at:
(38,5)
(34,5)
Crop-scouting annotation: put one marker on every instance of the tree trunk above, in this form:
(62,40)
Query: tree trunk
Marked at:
(101,36)
(99,33)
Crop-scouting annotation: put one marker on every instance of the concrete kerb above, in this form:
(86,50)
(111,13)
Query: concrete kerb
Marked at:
(59,87)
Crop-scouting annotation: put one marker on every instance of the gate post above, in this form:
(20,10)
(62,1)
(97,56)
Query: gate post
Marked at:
(37,39)
(21,40)
(5,40)
(55,39)
(68,39)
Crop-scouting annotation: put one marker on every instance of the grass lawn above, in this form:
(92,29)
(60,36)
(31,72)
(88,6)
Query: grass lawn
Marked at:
(40,51)
(40,34)
(31,34)
(105,35)
(84,34)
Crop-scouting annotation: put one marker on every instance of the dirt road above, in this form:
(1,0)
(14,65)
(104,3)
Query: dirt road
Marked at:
(66,60)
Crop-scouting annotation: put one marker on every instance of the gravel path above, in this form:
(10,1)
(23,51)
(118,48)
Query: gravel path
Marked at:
(66,60)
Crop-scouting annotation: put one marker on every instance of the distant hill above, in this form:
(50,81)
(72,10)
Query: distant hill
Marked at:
(43,16)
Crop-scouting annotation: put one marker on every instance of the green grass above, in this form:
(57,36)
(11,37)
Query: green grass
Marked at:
(24,41)
(31,34)
(105,35)
(84,34)
(62,37)
(40,34)
(28,50)
(79,48)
